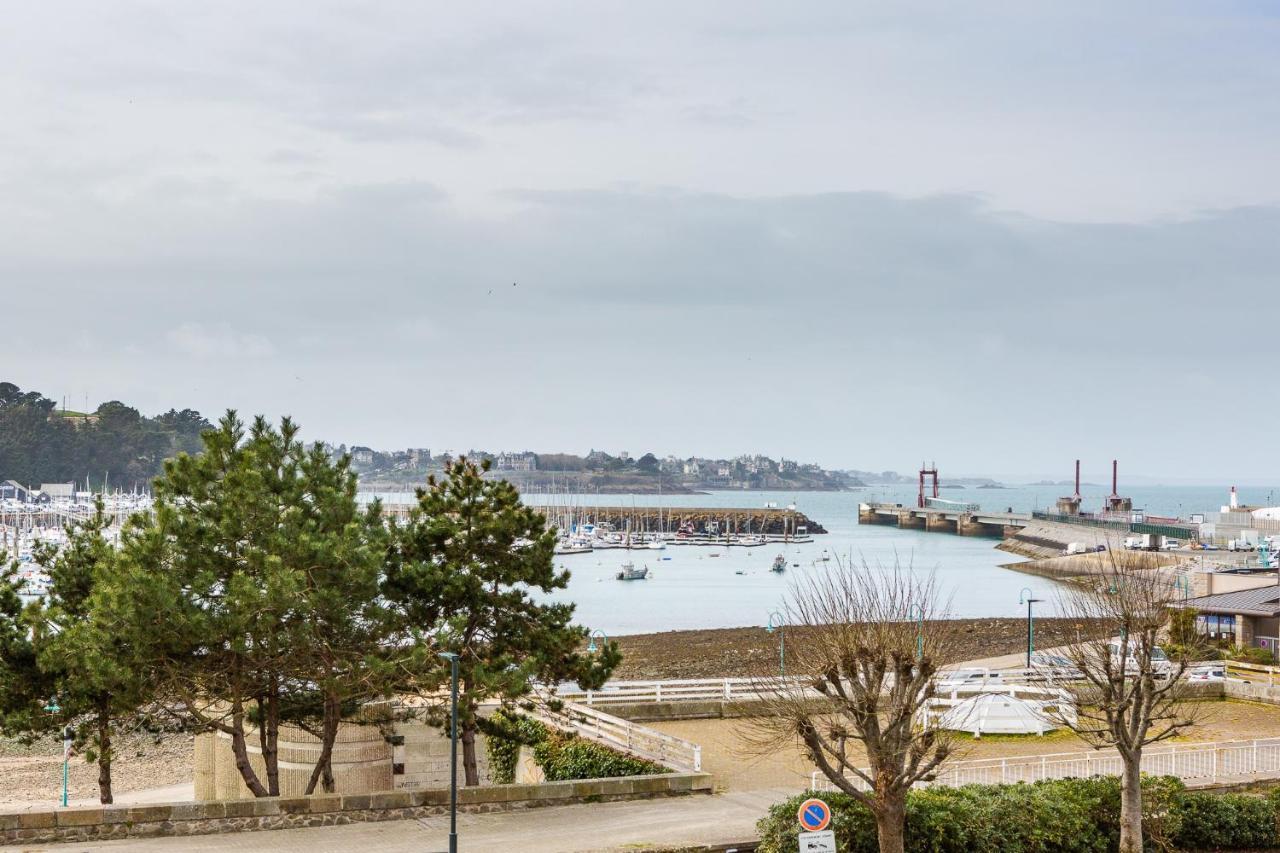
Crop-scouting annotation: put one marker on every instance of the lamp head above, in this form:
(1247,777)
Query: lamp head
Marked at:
(452,657)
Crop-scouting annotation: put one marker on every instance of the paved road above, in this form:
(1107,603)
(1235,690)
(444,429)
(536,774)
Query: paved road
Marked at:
(633,825)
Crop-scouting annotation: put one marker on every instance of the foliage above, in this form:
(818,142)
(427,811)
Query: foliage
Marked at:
(561,756)
(1055,816)
(263,572)
(462,575)
(1182,626)
(506,734)
(1251,654)
(97,671)
(120,446)
(1227,821)
(25,688)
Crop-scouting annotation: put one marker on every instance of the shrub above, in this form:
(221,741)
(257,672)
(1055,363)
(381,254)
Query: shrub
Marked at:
(560,756)
(1226,822)
(1055,816)
(563,757)
(504,735)
(1251,654)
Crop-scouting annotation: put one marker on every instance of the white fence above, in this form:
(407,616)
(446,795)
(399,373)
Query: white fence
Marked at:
(688,690)
(748,689)
(660,747)
(1201,762)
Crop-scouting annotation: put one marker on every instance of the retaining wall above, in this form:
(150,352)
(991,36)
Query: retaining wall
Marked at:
(111,822)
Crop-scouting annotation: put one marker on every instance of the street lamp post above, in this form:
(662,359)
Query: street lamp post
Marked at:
(67,736)
(452,658)
(1025,596)
(776,623)
(918,611)
(54,708)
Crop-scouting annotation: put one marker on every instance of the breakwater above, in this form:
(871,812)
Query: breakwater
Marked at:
(713,520)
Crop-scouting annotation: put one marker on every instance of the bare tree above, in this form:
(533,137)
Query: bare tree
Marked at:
(1129,695)
(874,639)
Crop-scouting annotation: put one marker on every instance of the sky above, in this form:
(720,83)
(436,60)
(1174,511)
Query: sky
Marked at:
(999,236)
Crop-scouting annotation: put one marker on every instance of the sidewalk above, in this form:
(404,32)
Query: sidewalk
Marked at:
(631,826)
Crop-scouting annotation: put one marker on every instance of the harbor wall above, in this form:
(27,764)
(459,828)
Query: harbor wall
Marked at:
(779,522)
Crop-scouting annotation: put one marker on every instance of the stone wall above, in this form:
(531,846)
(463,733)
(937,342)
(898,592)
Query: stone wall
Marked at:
(402,756)
(84,824)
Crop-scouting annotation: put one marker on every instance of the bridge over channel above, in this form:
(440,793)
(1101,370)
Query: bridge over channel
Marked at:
(945,516)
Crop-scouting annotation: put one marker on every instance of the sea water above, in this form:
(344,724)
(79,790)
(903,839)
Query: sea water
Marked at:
(689,588)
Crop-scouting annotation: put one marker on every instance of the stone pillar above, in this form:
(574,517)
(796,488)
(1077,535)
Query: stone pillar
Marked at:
(1244,631)
(937,521)
(908,519)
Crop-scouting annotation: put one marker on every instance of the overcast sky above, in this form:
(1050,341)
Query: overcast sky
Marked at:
(998,235)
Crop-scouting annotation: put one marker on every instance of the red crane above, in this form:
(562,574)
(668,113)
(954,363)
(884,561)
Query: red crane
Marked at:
(927,472)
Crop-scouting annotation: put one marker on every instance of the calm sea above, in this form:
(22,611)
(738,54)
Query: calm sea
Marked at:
(688,588)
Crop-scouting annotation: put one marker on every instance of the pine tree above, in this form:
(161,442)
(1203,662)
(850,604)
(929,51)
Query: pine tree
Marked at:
(86,670)
(462,575)
(259,570)
(25,689)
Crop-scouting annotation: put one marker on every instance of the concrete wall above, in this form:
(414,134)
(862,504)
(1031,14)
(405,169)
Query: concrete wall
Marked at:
(1213,583)
(174,819)
(366,759)
(361,762)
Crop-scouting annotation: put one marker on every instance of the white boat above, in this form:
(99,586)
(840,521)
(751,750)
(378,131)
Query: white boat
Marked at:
(631,573)
(779,564)
(656,545)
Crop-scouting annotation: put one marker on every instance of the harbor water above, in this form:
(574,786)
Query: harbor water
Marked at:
(689,588)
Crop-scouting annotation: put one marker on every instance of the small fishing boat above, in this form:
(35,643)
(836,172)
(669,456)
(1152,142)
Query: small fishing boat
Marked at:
(631,573)
(779,564)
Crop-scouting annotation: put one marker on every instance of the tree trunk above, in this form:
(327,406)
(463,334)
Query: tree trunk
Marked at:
(1131,805)
(891,820)
(469,755)
(104,753)
(269,737)
(241,751)
(328,734)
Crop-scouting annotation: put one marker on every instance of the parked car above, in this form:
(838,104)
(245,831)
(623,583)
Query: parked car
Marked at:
(1054,667)
(969,675)
(1211,671)
(1161,666)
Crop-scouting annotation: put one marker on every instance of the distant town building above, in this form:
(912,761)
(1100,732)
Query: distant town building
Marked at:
(12,490)
(59,491)
(419,456)
(362,455)
(516,461)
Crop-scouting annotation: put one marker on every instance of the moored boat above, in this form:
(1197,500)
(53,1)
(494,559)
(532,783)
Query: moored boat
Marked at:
(631,573)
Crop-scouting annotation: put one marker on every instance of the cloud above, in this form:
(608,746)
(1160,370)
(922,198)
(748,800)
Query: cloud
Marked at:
(217,342)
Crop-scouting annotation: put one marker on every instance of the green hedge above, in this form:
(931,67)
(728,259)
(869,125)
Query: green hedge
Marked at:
(1056,816)
(561,756)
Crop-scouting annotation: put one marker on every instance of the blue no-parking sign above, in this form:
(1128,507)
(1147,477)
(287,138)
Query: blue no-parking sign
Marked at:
(814,815)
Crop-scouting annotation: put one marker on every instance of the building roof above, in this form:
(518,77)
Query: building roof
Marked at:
(1262,601)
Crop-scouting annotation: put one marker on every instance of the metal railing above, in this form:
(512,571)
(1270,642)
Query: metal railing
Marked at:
(660,747)
(1200,762)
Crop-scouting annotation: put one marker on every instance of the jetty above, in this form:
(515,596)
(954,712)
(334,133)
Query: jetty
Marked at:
(946,517)
(775,521)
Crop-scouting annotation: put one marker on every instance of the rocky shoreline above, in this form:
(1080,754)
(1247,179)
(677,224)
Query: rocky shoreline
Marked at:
(734,652)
